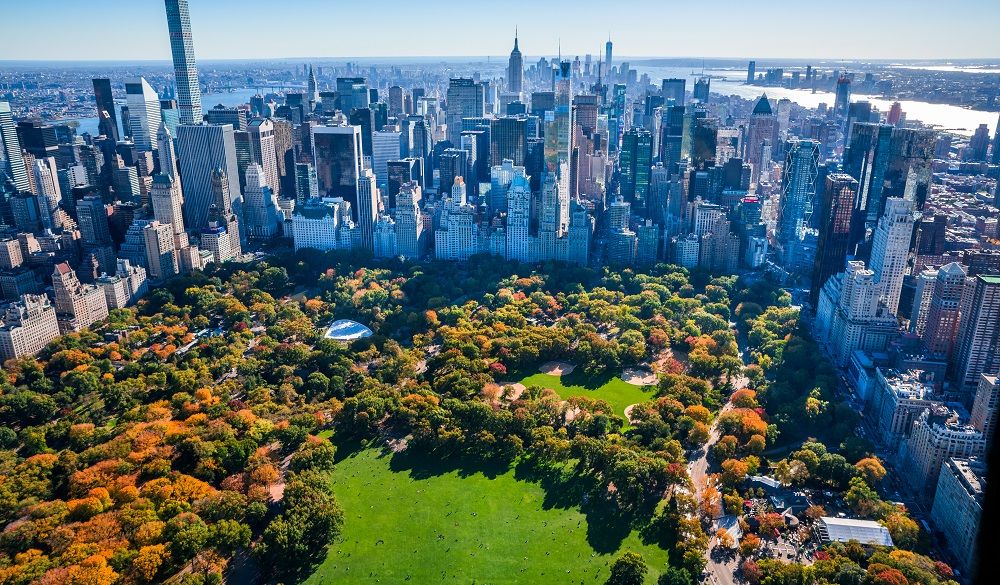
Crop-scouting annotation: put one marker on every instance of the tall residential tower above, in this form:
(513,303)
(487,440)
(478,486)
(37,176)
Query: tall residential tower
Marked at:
(185,69)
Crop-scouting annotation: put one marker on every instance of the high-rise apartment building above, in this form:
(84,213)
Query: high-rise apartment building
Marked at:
(762,130)
(836,213)
(167,203)
(261,217)
(143,113)
(937,435)
(336,154)
(797,191)
(635,163)
(456,237)
(522,243)
(943,311)
(185,69)
(11,159)
(107,118)
(891,248)
(411,239)
(849,315)
(203,148)
(78,305)
(977,349)
(263,151)
(958,509)
(324,224)
(367,209)
(27,327)
(986,408)
(161,254)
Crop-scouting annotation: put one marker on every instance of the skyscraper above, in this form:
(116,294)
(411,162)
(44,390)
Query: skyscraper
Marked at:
(763,127)
(835,230)
(336,153)
(995,153)
(312,89)
(843,97)
(368,200)
(203,148)
(385,147)
(701,89)
(48,191)
(466,99)
(941,323)
(673,89)
(161,255)
(977,350)
(891,248)
(608,54)
(167,202)
(559,131)
(167,154)
(635,162)
(979,144)
(352,93)
(107,119)
(144,113)
(11,160)
(751,68)
(409,222)
(185,69)
(888,162)
(797,190)
(515,69)
(260,208)
(263,151)
(508,140)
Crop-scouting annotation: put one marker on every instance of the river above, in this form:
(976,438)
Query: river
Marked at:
(208,100)
(942,116)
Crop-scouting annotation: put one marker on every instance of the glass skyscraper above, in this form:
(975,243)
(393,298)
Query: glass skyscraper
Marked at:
(798,188)
(185,69)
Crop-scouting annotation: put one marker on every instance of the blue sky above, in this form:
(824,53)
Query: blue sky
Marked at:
(248,29)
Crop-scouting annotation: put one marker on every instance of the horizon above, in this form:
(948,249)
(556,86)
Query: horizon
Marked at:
(970,63)
(140,29)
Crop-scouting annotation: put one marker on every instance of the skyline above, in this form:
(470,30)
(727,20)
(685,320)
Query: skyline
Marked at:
(881,35)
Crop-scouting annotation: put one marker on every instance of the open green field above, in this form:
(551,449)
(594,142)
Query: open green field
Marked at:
(409,519)
(615,391)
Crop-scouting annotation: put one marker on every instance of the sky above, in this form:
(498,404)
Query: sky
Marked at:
(261,29)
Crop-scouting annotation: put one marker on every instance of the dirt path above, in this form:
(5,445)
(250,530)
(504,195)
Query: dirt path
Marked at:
(557,368)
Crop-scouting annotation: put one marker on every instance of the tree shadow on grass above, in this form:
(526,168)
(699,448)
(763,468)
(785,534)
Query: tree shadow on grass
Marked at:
(608,524)
(588,381)
(577,378)
(428,465)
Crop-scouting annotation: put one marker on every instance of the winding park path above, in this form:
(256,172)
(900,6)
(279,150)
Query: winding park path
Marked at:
(721,571)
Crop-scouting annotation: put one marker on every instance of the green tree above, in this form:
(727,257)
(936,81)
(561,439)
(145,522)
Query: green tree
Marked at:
(628,569)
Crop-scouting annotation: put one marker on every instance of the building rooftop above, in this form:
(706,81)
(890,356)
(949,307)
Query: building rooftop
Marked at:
(907,384)
(847,529)
(347,330)
(972,473)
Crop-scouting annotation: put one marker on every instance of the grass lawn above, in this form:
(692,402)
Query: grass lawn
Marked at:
(412,519)
(615,391)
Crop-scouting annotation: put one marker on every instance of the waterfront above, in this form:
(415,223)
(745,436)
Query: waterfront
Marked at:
(941,116)
(946,117)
